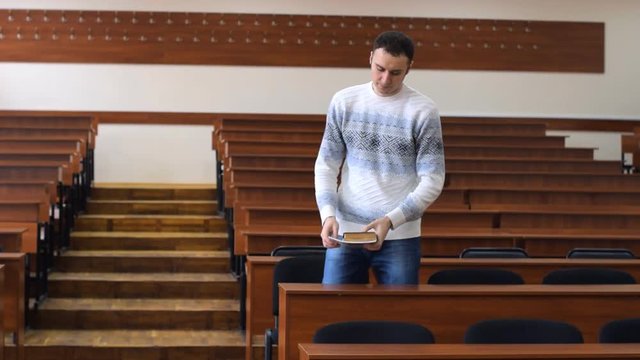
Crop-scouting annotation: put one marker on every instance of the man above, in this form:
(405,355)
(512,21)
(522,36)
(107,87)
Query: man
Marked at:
(380,165)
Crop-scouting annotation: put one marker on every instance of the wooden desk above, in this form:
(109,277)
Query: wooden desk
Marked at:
(39,121)
(259,270)
(448,310)
(14,301)
(470,352)
(2,310)
(31,214)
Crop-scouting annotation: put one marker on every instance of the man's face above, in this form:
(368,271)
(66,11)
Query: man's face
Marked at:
(388,72)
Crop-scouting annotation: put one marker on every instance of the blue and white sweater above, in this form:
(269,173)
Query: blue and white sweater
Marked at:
(389,155)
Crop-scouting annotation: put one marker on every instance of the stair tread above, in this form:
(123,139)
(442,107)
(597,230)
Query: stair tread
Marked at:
(154,186)
(172,202)
(146,253)
(98,304)
(149,234)
(134,338)
(148,216)
(143,277)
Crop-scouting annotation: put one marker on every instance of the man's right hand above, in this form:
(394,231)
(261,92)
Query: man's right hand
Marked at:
(330,228)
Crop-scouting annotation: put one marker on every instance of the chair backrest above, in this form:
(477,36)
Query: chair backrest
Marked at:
(588,276)
(298,250)
(600,253)
(494,252)
(466,276)
(522,331)
(620,331)
(373,332)
(297,269)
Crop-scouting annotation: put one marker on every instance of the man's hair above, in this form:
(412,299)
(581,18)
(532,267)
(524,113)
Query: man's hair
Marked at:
(395,43)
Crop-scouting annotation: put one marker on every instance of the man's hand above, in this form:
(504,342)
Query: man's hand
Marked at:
(329,228)
(381,227)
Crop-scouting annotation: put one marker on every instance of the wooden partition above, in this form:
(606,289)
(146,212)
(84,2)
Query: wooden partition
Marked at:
(14,303)
(294,40)
(448,310)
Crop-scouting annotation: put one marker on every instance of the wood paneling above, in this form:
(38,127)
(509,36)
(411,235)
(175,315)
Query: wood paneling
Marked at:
(295,40)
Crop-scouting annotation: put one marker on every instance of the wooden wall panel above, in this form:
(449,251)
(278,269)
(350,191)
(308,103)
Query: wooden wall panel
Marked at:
(295,40)
(168,118)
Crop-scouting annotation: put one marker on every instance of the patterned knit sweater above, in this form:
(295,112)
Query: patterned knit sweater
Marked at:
(387,153)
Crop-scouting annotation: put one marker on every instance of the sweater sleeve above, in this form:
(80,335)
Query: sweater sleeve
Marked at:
(328,163)
(430,170)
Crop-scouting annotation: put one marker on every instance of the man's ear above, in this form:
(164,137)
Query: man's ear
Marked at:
(409,68)
(370,58)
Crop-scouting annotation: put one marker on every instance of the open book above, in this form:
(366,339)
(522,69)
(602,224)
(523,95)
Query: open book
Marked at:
(368,237)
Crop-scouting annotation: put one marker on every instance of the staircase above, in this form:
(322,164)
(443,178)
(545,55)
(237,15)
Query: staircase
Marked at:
(146,277)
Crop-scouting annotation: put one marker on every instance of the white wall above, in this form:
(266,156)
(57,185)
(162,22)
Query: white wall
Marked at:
(154,154)
(308,90)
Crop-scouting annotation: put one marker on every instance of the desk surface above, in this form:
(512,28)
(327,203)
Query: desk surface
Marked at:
(463,351)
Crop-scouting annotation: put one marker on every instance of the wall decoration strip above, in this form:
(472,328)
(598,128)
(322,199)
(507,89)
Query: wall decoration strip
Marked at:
(295,40)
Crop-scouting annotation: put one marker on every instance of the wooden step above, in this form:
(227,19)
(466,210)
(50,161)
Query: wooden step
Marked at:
(159,223)
(161,314)
(143,261)
(139,207)
(134,344)
(145,285)
(152,192)
(117,240)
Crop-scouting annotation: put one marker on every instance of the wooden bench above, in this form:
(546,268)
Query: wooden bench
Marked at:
(448,310)
(309,351)
(259,271)
(11,238)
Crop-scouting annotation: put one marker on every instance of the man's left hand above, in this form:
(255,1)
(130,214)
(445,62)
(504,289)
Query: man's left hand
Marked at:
(381,227)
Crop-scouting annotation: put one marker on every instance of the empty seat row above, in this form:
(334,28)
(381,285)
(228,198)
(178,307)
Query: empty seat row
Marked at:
(492,331)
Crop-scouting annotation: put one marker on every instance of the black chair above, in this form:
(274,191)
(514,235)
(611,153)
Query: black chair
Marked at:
(483,276)
(297,269)
(588,276)
(298,250)
(600,253)
(522,331)
(620,331)
(494,252)
(373,332)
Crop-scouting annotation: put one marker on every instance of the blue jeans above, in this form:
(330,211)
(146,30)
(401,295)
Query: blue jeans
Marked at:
(397,263)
